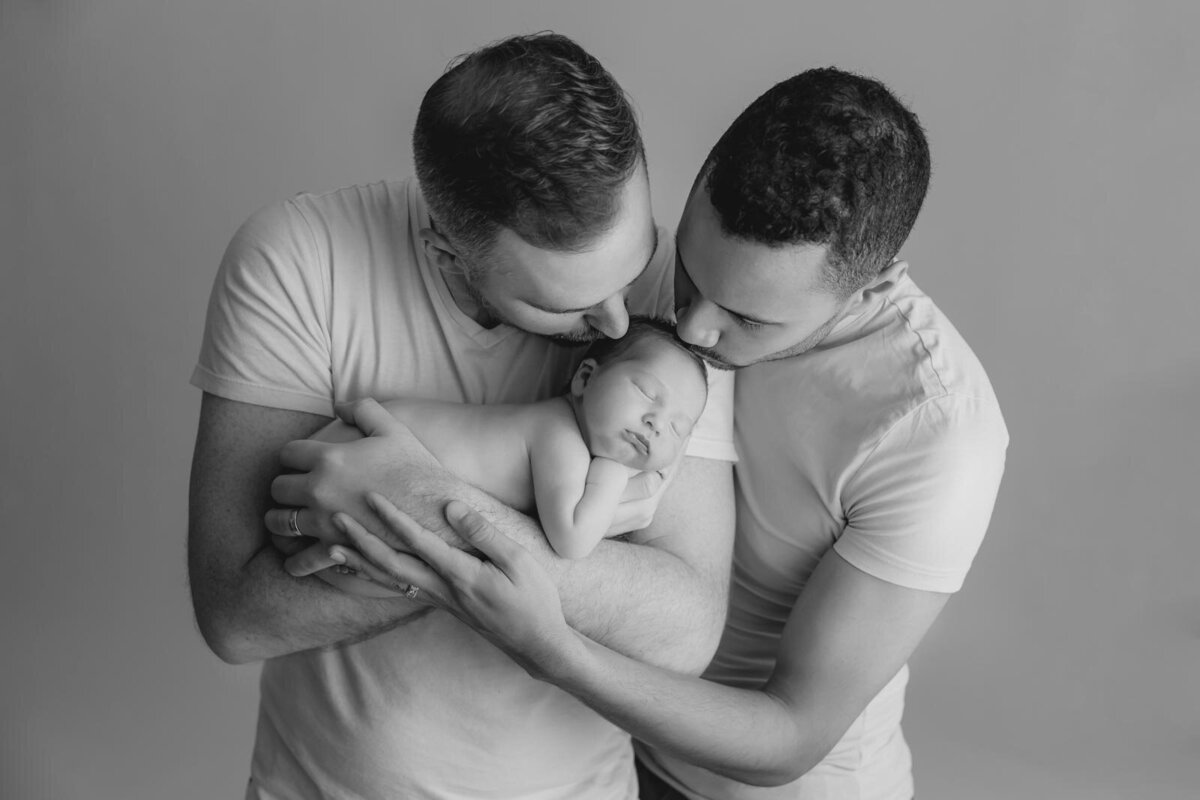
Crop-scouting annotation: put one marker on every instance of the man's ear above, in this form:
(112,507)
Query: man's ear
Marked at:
(583,375)
(885,280)
(439,251)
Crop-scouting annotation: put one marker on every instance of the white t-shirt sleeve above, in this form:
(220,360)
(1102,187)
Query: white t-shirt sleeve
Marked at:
(713,435)
(918,507)
(266,337)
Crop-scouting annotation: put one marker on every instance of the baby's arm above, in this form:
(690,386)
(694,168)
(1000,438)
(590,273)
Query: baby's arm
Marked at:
(576,495)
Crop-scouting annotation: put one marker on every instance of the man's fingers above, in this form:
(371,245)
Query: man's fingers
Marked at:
(289,545)
(489,540)
(399,569)
(351,559)
(290,489)
(301,454)
(427,546)
(309,560)
(402,572)
(368,416)
(279,521)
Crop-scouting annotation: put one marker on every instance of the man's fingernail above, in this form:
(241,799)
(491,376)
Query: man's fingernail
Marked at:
(337,555)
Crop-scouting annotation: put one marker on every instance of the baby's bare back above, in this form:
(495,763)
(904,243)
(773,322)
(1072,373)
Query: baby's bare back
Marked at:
(485,445)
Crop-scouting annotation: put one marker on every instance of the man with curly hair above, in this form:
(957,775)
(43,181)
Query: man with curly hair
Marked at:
(871,446)
(528,230)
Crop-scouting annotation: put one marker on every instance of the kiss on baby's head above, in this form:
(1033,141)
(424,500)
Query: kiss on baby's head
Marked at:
(636,398)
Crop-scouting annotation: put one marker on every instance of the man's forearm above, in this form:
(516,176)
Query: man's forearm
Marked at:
(655,601)
(266,613)
(643,602)
(747,735)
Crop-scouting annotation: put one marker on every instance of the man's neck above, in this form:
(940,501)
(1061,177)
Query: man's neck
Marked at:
(467,300)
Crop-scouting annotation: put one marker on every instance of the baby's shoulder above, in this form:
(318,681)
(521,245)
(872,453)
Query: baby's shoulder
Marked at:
(550,424)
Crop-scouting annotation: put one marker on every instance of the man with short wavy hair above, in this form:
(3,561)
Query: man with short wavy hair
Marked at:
(530,229)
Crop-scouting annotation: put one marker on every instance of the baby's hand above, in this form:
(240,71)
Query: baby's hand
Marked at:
(640,500)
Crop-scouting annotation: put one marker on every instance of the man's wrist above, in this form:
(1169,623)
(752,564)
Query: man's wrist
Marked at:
(561,659)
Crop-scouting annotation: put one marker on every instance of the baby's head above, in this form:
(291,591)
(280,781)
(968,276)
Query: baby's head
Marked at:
(636,398)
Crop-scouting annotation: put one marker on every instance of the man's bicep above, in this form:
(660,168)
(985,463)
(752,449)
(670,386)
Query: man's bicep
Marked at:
(847,636)
(235,458)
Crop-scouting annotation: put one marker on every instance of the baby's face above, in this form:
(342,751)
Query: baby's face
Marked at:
(640,408)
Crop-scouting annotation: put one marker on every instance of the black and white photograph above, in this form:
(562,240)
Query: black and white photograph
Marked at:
(599,401)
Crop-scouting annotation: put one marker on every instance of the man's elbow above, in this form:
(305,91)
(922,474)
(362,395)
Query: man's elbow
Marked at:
(232,647)
(800,748)
(785,771)
(780,775)
(224,629)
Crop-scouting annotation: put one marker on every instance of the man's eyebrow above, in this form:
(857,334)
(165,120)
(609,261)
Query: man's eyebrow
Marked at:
(726,309)
(552,310)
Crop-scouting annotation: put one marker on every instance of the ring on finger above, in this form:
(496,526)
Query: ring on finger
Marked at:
(294,522)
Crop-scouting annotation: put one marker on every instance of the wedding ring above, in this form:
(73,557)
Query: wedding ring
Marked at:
(294,522)
(411,592)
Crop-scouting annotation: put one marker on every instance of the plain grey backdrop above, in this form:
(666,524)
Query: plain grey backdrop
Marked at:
(136,136)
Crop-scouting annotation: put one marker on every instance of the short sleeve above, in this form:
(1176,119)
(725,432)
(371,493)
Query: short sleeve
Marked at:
(266,338)
(713,435)
(918,507)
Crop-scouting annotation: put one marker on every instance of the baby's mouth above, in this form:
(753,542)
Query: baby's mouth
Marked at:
(641,443)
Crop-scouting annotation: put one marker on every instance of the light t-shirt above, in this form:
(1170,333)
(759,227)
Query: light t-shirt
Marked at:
(885,443)
(328,298)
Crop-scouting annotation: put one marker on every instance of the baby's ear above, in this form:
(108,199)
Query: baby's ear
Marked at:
(582,376)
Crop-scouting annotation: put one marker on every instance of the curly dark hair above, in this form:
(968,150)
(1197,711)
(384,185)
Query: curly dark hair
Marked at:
(825,157)
(641,328)
(530,133)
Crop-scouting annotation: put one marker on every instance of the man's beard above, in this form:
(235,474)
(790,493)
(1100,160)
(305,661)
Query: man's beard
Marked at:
(574,339)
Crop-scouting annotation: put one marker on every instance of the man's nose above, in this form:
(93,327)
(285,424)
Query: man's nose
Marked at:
(695,325)
(610,317)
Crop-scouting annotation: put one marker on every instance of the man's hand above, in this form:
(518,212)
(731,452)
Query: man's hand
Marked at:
(329,477)
(505,595)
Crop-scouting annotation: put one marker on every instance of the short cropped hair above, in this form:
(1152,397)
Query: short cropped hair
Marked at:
(606,350)
(825,157)
(530,133)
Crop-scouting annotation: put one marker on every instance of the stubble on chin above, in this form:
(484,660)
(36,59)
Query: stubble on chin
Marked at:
(713,360)
(574,339)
